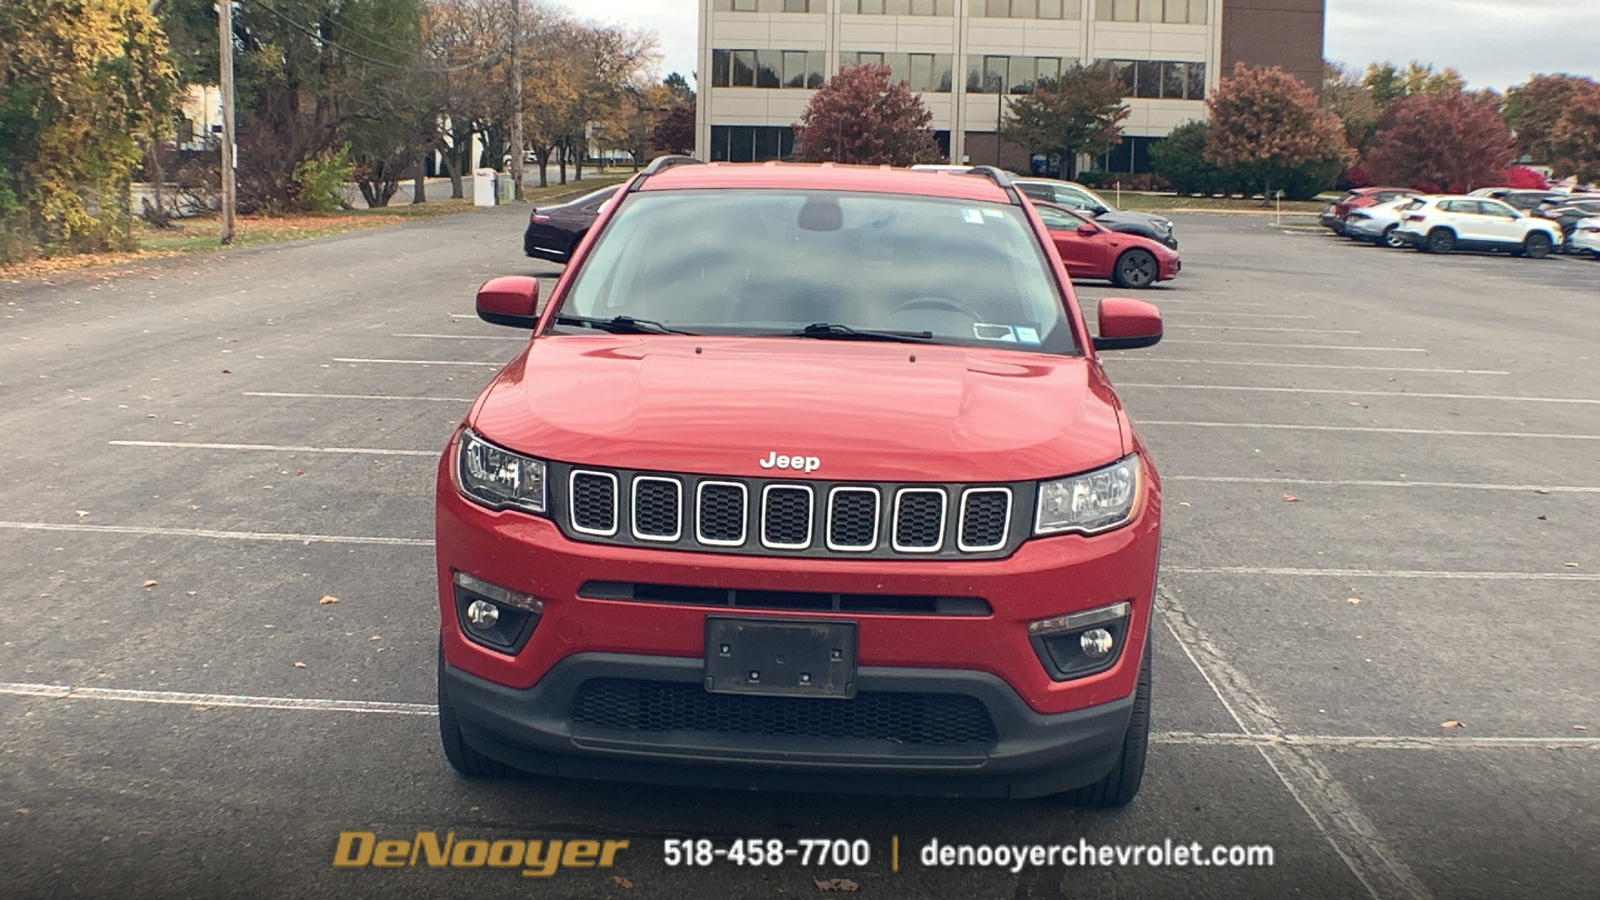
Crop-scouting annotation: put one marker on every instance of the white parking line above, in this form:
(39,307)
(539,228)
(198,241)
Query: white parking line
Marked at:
(361,451)
(1254,328)
(1274,426)
(1354,392)
(1404,574)
(1247,315)
(1282,365)
(354,396)
(1333,811)
(288,537)
(418,362)
(1471,486)
(1299,346)
(1181,738)
(469,337)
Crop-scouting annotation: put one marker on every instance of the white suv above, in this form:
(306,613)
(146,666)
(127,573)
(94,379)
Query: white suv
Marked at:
(1442,224)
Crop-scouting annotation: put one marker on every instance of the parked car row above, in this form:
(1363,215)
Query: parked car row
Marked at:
(1520,222)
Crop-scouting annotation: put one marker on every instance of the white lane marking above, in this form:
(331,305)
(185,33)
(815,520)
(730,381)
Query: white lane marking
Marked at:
(1190,738)
(1281,365)
(224,535)
(1382,573)
(1263,328)
(1352,392)
(1531,488)
(1251,315)
(355,396)
(417,362)
(191,445)
(1361,429)
(468,337)
(463,315)
(1332,810)
(1371,742)
(73,692)
(1298,346)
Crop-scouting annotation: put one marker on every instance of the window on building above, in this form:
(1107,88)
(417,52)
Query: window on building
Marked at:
(1175,12)
(924,72)
(766,6)
(899,7)
(751,143)
(1027,9)
(1012,74)
(1130,156)
(1159,79)
(768,68)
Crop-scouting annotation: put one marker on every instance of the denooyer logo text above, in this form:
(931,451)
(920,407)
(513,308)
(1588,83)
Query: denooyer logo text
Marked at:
(537,859)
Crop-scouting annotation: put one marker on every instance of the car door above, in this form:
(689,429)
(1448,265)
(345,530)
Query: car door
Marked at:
(1083,254)
(1501,223)
(1464,218)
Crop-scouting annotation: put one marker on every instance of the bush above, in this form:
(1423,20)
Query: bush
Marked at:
(319,183)
(1093,178)
(1524,177)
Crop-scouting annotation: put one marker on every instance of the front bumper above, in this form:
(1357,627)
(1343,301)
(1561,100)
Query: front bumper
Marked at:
(1031,755)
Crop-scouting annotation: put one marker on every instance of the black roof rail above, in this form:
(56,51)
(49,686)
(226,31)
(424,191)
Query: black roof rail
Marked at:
(1001,178)
(660,164)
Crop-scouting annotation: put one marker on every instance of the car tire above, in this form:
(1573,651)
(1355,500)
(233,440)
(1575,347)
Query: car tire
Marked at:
(1441,240)
(1136,268)
(1388,238)
(1121,784)
(465,760)
(1536,245)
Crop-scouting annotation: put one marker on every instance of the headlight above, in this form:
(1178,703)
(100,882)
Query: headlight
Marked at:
(498,478)
(1092,502)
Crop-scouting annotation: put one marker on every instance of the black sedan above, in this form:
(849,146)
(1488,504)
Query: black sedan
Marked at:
(554,231)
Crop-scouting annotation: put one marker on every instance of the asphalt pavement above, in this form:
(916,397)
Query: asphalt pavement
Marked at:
(1376,648)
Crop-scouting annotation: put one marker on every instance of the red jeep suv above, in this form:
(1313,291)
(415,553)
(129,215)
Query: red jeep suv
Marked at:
(809,478)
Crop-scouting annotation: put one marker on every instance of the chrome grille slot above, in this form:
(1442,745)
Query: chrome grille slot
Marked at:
(593,497)
(852,519)
(919,520)
(985,519)
(786,516)
(657,508)
(720,513)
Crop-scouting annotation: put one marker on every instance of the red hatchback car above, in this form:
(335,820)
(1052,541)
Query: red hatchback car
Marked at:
(809,478)
(1090,250)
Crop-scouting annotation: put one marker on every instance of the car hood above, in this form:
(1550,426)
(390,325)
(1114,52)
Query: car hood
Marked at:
(865,410)
(1124,217)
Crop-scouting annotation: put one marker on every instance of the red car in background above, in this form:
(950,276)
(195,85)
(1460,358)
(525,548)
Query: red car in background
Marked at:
(1338,211)
(1090,250)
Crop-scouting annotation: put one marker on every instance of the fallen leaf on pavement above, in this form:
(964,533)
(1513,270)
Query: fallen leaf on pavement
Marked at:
(621,882)
(1290,498)
(81,512)
(1580,728)
(328,598)
(190,593)
(1183,503)
(1451,724)
(1355,600)
(150,582)
(1572,565)
(838,884)
(1541,491)
(299,665)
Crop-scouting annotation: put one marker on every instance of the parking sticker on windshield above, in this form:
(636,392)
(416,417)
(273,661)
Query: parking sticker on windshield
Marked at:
(985,331)
(1027,335)
(972,216)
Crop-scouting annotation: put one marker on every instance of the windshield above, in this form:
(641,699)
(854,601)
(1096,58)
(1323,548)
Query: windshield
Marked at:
(774,262)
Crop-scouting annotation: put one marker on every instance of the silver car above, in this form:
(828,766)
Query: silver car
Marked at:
(1377,223)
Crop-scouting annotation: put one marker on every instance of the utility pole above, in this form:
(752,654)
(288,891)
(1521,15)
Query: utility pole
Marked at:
(229,153)
(516,99)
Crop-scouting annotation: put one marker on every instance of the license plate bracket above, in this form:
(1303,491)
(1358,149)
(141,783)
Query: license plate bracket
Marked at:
(780,657)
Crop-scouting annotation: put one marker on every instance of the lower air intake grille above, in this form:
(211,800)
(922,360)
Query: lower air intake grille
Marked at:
(625,704)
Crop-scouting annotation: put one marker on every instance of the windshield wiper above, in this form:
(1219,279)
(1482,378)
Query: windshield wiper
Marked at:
(621,325)
(835,331)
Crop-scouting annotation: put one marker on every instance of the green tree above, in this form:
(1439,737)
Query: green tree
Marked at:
(1534,111)
(1388,83)
(1266,125)
(1344,95)
(1180,160)
(860,116)
(1079,112)
(80,82)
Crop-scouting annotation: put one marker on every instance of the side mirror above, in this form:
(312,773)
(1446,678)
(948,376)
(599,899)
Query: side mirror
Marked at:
(1100,210)
(509,300)
(1127,324)
(1087,230)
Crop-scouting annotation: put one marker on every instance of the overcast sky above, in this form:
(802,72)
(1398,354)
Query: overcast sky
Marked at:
(1495,43)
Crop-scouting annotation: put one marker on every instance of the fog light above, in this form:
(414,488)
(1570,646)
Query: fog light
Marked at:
(484,614)
(1096,642)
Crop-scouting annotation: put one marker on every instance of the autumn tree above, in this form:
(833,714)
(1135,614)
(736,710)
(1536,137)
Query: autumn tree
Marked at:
(80,82)
(1575,140)
(1445,142)
(675,132)
(1344,95)
(1081,111)
(1535,112)
(860,116)
(464,44)
(1389,83)
(1267,126)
